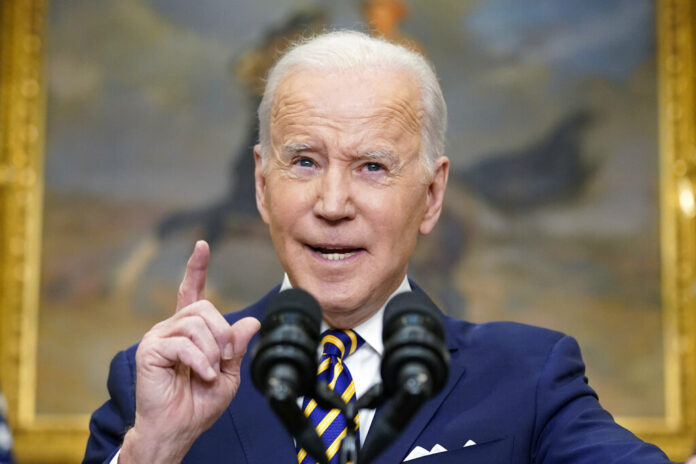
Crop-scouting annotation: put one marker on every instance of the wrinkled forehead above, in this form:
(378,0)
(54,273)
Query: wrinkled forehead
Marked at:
(350,95)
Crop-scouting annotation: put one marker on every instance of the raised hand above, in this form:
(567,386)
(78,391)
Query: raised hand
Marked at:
(187,371)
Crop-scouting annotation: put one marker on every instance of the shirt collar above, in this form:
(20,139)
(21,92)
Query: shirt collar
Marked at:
(371,329)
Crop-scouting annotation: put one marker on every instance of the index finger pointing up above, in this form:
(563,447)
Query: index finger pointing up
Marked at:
(192,287)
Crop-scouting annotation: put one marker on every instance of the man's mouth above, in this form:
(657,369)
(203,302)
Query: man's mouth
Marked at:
(335,253)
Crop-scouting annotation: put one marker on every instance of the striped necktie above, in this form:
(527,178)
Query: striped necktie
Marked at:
(331,424)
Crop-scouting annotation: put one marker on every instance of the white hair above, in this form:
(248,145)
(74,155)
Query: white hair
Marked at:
(352,50)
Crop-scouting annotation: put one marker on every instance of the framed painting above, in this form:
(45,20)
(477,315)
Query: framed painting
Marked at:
(125,135)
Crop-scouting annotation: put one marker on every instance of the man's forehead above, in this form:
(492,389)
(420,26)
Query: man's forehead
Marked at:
(383,93)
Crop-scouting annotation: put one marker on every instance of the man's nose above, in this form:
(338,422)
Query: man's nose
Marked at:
(334,200)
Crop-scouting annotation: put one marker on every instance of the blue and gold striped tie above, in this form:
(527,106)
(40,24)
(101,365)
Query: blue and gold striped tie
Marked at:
(331,425)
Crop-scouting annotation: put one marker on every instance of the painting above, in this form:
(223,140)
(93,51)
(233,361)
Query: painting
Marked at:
(559,211)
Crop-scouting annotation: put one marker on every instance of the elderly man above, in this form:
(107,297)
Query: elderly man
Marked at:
(350,170)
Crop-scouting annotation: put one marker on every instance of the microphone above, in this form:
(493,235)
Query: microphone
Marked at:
(415,366)
(284,362)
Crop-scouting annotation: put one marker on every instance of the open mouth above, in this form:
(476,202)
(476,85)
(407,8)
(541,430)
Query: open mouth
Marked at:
(333,253)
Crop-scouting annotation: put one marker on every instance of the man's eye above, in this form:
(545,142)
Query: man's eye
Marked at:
(374,167)
(305,163)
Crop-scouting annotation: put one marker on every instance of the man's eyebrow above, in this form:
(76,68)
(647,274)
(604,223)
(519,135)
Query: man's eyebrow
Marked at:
(381,155)
(292,148)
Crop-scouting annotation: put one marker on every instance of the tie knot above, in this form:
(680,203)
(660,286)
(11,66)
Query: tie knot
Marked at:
(340,343)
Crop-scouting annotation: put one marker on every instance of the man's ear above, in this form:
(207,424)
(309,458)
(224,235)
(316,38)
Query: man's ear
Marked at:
(436,195)
(260,182)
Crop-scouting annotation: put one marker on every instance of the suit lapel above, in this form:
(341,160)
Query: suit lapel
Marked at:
(398,450)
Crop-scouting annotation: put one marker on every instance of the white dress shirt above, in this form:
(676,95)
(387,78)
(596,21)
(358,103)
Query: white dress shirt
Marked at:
(363,364)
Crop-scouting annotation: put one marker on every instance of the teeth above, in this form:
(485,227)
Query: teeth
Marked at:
(337,256)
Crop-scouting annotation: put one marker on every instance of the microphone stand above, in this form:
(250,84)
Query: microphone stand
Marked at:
(396,415)
(329,399)
(282,398)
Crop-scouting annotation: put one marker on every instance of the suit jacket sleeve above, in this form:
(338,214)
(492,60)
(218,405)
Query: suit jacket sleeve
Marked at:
(110,422)
(571,425)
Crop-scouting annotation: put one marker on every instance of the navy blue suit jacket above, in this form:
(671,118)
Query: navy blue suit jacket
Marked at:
(518,392)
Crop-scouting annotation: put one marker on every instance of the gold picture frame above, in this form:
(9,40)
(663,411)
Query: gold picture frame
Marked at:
(61,438)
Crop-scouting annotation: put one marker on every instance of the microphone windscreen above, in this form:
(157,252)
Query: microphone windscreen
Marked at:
(295,300)
(411,305)
(287,346)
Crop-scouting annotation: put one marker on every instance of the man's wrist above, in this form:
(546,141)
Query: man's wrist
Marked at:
(138,448)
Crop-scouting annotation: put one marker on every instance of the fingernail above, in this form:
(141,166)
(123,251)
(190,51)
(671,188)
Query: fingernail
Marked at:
(228,352)
(211,372)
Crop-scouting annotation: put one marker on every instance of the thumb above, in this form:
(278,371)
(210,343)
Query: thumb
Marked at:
(240,334)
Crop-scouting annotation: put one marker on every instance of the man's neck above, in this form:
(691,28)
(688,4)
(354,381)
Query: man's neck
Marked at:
(374,319)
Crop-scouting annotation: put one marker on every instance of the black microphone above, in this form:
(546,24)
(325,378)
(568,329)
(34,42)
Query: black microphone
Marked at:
(415,366)
(284,363)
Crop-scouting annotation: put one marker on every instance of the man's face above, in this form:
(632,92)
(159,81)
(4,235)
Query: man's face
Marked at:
(344,190)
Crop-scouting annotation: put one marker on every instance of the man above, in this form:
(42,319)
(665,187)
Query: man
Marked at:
(350,170)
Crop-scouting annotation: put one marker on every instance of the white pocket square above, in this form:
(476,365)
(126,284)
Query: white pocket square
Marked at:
(419,452)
